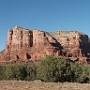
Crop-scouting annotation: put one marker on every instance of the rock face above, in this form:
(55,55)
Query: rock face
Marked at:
(26,45)
(75,44)
(33,45)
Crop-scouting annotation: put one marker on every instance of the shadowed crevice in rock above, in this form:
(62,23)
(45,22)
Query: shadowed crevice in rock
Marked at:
(28,56)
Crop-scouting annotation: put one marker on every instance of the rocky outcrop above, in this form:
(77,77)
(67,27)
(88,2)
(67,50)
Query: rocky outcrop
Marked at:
(75,44)
(25,45)
(29,45)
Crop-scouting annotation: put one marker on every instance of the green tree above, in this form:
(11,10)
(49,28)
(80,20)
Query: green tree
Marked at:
(31,72)
(54,69)
(76,70)
(85,76)
(2,69)
(63,70)
(9,73)
(15,72)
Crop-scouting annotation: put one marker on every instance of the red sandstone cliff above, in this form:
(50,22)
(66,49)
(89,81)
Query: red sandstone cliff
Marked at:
(27,45)
(74,43)
(33,45)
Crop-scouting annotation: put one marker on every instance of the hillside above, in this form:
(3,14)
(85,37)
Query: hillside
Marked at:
(34,45)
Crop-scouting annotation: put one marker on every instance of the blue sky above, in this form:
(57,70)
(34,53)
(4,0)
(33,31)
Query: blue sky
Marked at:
(47,15)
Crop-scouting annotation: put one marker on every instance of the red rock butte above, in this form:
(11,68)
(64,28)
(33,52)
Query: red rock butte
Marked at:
(33,45)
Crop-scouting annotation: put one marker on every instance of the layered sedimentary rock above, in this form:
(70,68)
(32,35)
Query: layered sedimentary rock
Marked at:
(27,45)
(75,44)
(33,45)
(19,38)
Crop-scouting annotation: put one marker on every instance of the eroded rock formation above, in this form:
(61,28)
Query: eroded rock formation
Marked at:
(74,43)
(27,45)
(33,45)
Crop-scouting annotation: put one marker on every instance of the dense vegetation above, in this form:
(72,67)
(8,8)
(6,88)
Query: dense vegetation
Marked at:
(51,69)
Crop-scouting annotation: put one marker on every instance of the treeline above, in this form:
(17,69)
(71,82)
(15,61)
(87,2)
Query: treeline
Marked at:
(18,72)
(51,69)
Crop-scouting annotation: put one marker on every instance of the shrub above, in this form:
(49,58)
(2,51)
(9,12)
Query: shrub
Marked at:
(15,72)
(54,69)
(2,69)
(19,72)
(51,69)
(31,72)
(85,76)
(76,70)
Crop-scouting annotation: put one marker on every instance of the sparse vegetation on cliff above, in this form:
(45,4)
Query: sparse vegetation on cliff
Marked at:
(2,51)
